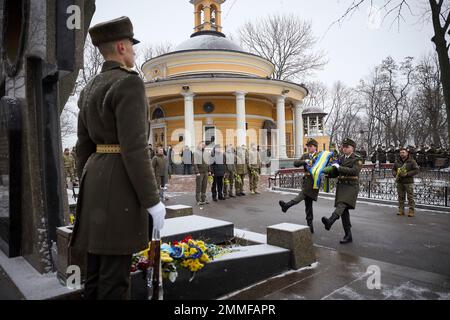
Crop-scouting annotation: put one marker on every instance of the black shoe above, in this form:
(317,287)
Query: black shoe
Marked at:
(347,237)
(329,222)
(311,226)
(242,194)
(221,198)
(231,196)
(285,205)
(214,199)
(239,194)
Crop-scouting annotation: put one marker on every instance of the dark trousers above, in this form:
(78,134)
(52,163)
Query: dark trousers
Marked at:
(187,169)
(342,211)
(217,187)
(308,204)
(107,277)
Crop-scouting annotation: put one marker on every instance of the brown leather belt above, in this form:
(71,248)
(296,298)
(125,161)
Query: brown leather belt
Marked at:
(344,178)
(108,148)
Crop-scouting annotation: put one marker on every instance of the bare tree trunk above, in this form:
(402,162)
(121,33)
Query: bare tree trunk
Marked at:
(442,51)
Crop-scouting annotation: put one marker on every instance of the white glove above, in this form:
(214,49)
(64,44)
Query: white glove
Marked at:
(158,214)
(336,165)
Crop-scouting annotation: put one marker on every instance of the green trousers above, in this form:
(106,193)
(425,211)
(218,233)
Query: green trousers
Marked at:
(404,190)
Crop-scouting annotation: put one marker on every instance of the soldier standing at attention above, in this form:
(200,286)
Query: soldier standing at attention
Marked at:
(347,170)
(69,165)
(230,160)
(201,171)
(404,171)
(118,187)
(254,165)
(308,193)
(161,168)
(241,169)
(391,154)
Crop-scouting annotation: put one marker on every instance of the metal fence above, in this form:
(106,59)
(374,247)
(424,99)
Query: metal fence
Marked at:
(373,184)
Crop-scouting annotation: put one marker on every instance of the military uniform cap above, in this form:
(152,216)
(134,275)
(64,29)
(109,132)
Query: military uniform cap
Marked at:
(349,142)
(112,30)
(313,142)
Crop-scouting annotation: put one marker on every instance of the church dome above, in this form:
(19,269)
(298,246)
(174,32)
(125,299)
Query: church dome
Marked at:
(208,40)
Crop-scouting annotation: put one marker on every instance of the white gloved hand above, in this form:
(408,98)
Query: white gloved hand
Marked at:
(158,214)
(336,165)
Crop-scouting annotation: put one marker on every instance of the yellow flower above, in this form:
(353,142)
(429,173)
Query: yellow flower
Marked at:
(144,253)
(204,258)
(193,251)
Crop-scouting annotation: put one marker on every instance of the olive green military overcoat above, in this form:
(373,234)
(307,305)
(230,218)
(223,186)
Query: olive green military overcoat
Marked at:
(115,189)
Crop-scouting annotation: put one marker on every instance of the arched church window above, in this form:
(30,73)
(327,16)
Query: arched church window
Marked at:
(157,114)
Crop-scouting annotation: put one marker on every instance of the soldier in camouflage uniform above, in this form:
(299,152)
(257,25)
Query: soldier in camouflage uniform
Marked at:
(307,193)
(201,170)
(347,171)
(69,166)
(228,184)
(241,169)
(404,170)
(254,166)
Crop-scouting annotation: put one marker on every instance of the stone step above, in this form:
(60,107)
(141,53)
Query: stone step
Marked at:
(200,228)
(228,273)
(177,211)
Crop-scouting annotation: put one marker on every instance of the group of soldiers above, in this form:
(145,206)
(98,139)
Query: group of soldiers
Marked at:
(226,169)
(425,156)
(345,165)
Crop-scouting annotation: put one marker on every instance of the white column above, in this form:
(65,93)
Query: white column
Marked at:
(189,128)
(298,124)
(240,118)
(281,125)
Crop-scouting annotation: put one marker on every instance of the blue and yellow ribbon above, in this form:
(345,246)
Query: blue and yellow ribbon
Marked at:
(321,162)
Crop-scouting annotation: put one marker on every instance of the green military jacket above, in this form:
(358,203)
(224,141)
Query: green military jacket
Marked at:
(159,164)
(411,168)
(69,161)
(201,165)
(241,161)
(115,189)
(308,181)
(348,180)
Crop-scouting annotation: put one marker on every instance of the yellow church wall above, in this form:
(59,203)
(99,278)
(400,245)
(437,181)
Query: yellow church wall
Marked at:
(216,67)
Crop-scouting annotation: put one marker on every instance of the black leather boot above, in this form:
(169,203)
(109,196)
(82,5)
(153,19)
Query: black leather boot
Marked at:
(310,225)
(285,205)
(328,222)
(347,237)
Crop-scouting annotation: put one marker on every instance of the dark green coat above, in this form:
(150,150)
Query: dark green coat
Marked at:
(412,169)
(348,180)
(115,189)
(307,180)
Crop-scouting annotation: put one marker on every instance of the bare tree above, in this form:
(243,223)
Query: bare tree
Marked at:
(93,62)
(286,41)
(317,96)
(431,116)
(342,120)
(438,13)
(150,51)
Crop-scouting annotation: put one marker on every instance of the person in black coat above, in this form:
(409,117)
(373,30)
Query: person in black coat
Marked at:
(218,169)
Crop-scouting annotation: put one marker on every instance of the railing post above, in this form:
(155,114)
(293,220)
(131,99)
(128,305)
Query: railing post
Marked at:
(446,195)
(369,189)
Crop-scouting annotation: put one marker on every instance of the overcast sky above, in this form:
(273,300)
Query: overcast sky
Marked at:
(352,49)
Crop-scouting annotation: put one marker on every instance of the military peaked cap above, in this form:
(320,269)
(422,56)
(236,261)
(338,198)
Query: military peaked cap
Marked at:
(349,142)
(112,30)
(313,142)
